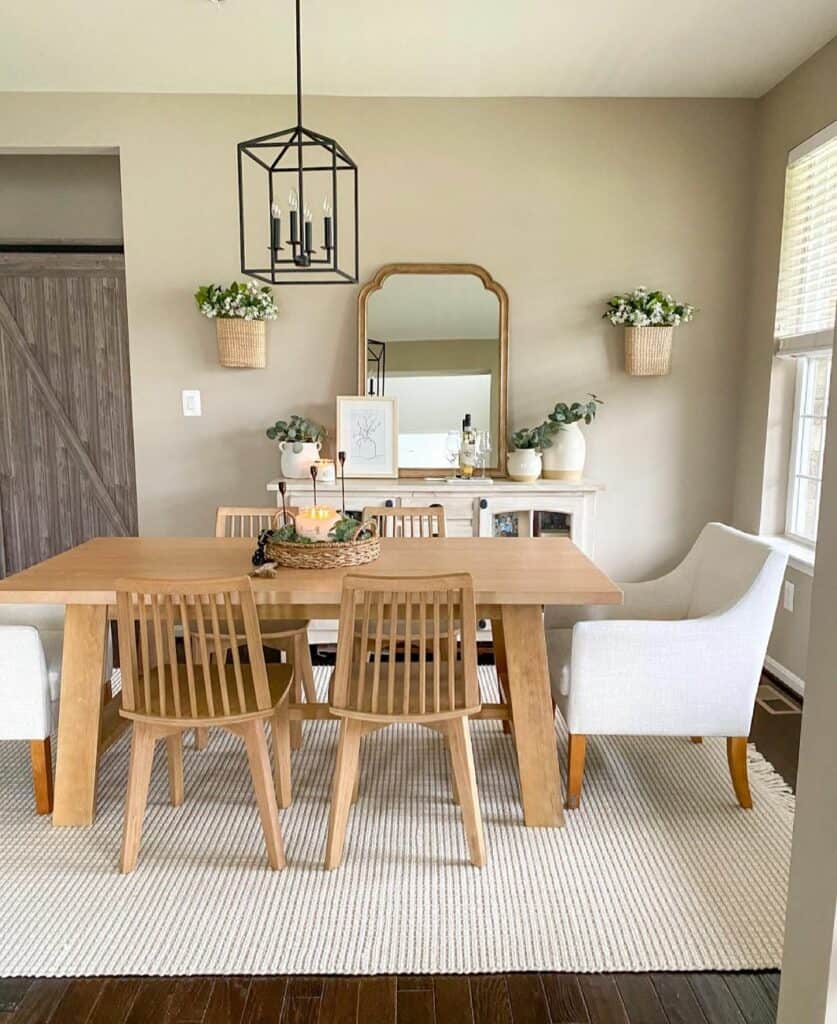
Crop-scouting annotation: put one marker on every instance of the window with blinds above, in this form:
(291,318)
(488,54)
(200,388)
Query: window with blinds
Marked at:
(807,296)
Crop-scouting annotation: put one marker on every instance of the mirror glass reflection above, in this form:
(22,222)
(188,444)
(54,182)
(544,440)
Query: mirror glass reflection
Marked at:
(433,342)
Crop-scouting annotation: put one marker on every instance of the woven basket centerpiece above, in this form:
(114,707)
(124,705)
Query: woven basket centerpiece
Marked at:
(241,343)
(363,546)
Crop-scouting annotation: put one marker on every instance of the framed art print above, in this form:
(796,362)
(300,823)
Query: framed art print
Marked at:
(367,431)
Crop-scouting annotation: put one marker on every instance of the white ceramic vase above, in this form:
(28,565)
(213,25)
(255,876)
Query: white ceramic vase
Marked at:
(298,457)
(524,465)
(565,459)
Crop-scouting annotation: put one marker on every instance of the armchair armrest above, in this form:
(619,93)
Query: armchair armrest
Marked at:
(694,677)
(24,685)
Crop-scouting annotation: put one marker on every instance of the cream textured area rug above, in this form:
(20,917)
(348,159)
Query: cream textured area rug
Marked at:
(659,869)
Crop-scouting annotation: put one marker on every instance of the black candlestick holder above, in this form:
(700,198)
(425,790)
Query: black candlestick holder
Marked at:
(341,458)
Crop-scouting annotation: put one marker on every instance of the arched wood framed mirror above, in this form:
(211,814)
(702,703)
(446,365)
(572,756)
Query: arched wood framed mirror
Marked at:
(436,337)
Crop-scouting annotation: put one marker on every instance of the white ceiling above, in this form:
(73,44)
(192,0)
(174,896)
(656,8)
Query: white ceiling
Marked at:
(412,47)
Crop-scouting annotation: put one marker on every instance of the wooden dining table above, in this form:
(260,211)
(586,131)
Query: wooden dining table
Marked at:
(513,580)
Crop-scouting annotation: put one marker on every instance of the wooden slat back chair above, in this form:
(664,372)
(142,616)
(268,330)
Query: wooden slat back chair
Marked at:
(439,691)
(288,635)
(421,521)
(429,521)
(163,697)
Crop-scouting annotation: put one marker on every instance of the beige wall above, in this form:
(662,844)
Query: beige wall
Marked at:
(564,201)
(801,105)
(59,198)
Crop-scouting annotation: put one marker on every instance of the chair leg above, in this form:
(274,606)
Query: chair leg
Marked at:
(737,758)
(462,757)
(498,642)
(696,739)
(345,771)
(296,695)
(302,660)
(139,777)
(40,754)
(201,738)
(174,757)
(356,786)
(454,785)
(280,728)
(259,761)
(575,769)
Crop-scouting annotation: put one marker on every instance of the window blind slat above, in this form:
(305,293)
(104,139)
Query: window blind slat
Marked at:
(807,291)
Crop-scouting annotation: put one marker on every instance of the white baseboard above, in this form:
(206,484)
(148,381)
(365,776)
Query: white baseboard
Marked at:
(784,675)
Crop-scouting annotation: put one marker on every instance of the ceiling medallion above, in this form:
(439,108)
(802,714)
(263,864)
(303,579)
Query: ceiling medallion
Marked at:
(282,177)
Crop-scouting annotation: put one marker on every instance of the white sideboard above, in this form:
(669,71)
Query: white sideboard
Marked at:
(475,509)
(471,509)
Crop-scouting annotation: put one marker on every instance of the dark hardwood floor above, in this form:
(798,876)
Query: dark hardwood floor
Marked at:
(706,998)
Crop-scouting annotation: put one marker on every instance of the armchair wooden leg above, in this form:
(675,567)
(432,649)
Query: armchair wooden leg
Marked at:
(345,772)
(139,777)
(201,738)
(696,739)
(40,753)
(174,757)
(462,758)
(737,757)
(575,769)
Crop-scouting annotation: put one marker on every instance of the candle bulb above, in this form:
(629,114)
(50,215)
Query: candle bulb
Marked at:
(341,458)
(282,488)
(309,232)
(275,227)
(328,226)
(313,471)
(293,206)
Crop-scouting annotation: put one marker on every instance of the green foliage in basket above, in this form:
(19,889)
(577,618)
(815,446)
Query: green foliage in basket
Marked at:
(297,429)
(562,415)
(343,530)
(239,301)
(644,308)
(533,437)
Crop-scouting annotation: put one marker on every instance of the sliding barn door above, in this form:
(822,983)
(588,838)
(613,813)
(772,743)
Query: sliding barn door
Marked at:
(66,437)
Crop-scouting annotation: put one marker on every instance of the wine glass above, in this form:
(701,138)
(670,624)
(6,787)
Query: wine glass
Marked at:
(483,447)
(453,444)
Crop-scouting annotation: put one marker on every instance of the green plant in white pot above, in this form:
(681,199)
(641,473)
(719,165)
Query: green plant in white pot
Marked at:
(565,458)
(300,441)
(649,318)
(524,461)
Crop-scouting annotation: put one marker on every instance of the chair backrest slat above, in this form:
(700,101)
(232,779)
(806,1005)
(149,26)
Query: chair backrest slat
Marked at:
(424,617)
(409,523)
(247,520)
(162,683)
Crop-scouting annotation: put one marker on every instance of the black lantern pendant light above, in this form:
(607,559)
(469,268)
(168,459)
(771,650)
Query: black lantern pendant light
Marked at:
(282,177)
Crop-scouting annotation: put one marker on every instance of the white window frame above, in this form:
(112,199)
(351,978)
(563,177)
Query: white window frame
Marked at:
(800,414)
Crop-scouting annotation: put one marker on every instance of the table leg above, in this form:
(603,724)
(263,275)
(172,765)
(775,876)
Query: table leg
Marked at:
(80,713)
(534,730)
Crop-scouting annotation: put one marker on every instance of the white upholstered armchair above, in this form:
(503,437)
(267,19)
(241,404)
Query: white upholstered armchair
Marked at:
(31,645)
(682,656)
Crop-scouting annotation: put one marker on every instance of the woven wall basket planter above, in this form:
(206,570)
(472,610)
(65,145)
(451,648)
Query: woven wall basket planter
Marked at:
(241,343)
(648,351)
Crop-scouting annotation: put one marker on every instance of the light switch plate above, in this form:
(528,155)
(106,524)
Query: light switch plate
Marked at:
(787,596)
(191,403)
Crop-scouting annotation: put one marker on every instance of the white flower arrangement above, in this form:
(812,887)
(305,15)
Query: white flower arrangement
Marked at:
(644,308)
(239,301)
